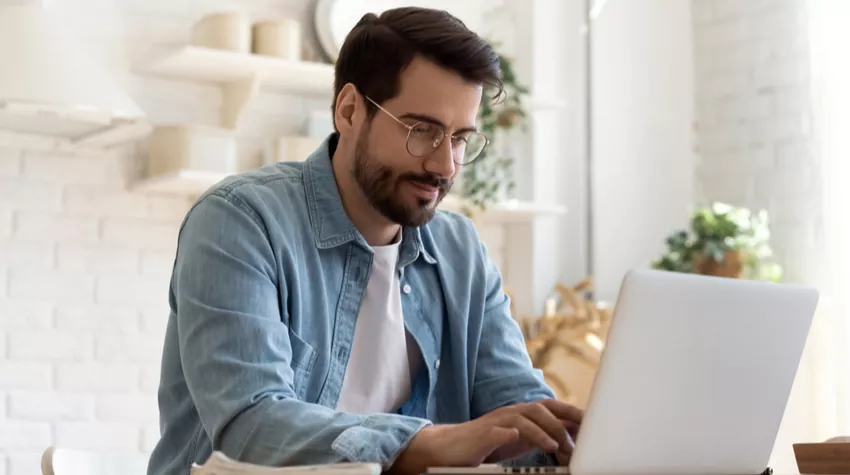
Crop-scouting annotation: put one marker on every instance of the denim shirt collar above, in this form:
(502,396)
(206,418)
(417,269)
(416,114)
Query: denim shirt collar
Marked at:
(331,224)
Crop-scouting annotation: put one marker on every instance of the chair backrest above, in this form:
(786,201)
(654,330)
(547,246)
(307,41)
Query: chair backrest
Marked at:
(62,461)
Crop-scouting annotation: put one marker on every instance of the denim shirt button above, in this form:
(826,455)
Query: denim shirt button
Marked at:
(437,364)
(406,288)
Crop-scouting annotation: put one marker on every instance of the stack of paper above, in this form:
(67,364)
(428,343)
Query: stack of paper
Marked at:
(220,464)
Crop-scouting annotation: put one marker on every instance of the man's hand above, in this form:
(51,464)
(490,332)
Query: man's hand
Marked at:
(549,425)
(503,434)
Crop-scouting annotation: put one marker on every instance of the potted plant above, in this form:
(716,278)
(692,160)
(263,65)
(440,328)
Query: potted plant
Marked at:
(724,241)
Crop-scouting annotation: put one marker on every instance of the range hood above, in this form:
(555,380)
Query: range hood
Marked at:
(50,88)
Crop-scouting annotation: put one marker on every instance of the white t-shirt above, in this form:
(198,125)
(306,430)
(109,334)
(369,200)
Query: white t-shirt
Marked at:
(383,355)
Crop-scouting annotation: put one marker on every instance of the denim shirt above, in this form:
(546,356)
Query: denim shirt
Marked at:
(264,297)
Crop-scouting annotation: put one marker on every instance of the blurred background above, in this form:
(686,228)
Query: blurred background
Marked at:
(705,136)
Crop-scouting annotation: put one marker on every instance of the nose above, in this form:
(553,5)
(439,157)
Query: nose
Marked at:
(441,162)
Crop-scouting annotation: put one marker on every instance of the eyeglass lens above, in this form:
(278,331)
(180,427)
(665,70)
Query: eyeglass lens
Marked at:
(424,138)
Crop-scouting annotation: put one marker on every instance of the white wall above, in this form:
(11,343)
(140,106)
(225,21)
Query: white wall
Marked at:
(570,142)
(555,50)
(755,145)
(642,86)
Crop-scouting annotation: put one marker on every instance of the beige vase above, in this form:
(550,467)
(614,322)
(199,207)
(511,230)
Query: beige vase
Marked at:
(228,31)
(277,38)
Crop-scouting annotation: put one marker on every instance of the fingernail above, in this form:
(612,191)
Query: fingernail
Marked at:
(570,440)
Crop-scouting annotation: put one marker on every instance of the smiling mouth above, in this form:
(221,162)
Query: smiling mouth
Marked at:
(425,191)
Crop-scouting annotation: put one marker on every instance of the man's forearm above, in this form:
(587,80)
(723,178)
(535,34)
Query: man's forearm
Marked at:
(292,432)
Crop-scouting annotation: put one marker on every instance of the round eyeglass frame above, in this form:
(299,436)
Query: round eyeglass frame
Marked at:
(445,134)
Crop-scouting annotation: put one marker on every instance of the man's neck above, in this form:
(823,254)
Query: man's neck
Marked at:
(375,228)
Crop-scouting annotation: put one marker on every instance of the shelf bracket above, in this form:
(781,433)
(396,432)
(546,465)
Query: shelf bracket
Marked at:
(235,98)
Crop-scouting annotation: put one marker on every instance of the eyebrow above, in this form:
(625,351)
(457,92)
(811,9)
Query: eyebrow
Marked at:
(435,121)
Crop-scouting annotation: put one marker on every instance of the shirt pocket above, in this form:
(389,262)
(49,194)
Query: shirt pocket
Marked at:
(302,362)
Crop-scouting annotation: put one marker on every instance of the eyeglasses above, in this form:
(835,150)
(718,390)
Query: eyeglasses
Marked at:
(424,137)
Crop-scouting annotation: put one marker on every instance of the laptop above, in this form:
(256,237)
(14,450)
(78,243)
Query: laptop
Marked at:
(694,379)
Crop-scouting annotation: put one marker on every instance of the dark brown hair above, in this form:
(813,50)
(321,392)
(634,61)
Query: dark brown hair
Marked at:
(379,48)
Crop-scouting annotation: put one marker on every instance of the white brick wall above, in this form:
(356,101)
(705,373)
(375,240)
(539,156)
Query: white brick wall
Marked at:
(73,291)
(25,375)
(754,117)
(50,405)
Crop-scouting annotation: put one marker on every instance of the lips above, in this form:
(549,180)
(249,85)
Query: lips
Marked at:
(425,191)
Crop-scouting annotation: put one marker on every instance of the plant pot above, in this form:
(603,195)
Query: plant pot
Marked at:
(732,265)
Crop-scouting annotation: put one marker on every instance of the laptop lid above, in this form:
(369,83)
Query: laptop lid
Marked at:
(695,376)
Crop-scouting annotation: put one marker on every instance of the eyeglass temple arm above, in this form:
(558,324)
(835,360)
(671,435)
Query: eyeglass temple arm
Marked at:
(408,127)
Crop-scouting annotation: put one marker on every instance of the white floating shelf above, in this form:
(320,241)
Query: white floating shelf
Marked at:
(97,144)
(242,75)
(192,63)
(67,131)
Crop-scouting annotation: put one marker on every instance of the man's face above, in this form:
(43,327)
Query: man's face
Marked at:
(404,188)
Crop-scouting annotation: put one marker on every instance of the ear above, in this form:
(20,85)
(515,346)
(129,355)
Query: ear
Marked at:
(348,109)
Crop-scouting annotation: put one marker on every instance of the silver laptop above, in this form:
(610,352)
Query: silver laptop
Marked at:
(694,378)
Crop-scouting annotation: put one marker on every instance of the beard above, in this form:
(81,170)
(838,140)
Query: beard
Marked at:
(381,186)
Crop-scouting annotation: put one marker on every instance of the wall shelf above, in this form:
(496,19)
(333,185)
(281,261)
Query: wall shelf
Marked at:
(192,63)
(241,75)
(99,143)
(57,130)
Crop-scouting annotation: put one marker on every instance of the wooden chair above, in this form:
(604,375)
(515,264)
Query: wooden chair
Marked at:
(63,461)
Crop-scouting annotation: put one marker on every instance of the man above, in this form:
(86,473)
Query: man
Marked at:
(324,312)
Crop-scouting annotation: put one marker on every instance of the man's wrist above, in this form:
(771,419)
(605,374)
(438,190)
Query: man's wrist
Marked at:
(416,457)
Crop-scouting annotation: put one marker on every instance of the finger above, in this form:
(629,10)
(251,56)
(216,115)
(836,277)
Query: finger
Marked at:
(563,411)
(573,431)
(571,427)
(545,420)
(492,439)
(497,436)
(571,443)
(532,433)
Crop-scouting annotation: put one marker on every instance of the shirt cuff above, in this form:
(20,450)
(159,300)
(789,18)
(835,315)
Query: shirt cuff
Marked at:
(379,439)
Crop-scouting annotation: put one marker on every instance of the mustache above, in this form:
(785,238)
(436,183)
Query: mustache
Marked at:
(428,180)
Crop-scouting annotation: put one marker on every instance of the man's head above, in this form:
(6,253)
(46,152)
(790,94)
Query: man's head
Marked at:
(408,87)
